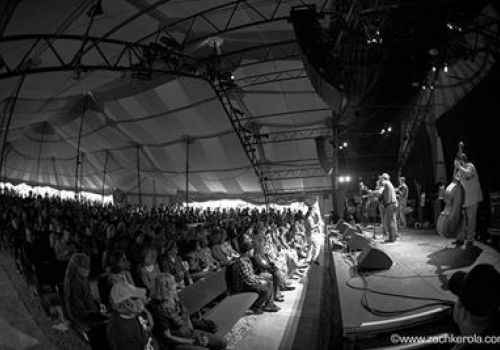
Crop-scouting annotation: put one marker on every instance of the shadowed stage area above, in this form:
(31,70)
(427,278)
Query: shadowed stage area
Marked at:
(412,292)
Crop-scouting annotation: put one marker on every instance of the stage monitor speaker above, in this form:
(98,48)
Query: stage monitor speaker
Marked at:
(348,233)
(358,242)
(373,259)
(324,150)
(342,227)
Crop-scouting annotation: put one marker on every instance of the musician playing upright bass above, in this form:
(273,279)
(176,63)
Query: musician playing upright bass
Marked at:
(467,175)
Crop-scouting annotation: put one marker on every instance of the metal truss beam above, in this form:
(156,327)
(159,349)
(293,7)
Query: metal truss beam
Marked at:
(6,12)
(301,191)
(221,90)
(106,54)
(258,54)
(214,23)
(294,135)
(271,77)
(289,174)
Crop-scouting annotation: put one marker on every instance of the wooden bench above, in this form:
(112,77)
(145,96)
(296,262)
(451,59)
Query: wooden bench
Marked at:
(215,285)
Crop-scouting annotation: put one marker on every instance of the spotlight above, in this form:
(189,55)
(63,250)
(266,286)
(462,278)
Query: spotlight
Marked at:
(344,144)
(341,147)
(389,129)
(445,68)
(382,131)
(341,179)
(347,179)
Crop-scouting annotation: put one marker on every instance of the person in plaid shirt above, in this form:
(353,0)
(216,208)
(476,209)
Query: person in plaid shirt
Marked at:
(245,279)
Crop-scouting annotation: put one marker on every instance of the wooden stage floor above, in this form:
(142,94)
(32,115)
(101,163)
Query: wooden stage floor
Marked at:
(374,302)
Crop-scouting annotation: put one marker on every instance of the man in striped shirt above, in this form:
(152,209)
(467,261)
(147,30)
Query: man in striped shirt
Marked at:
(245,279)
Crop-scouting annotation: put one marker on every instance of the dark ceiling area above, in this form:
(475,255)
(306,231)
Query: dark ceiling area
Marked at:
(381,54)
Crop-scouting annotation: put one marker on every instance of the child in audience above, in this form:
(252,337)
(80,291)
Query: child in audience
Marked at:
(218,249)
(148,269)
(205,254)
(172,263)
(173,326)
(130,327)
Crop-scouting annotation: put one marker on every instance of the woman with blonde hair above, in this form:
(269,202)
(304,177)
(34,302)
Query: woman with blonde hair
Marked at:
(173,327)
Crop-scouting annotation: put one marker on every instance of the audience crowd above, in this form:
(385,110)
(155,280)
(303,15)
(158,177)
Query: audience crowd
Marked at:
(140,258)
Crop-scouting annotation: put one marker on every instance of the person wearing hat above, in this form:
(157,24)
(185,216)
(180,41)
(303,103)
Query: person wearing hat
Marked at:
(389,201)
(477,310)
(467,175)
(130,327)
(245,279)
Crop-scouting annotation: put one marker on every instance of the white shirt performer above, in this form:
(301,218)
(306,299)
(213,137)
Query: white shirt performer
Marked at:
(467,175)
(313,235)
(389,201)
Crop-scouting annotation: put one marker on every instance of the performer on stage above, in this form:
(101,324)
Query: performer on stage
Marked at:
(365,202)
(313,235)
(402,193)
(467,175)
(389,201)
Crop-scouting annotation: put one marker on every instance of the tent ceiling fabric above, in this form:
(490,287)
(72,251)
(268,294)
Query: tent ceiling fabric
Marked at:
(133,125)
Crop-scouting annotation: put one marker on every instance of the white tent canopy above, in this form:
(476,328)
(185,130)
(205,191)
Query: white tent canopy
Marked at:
(133,134)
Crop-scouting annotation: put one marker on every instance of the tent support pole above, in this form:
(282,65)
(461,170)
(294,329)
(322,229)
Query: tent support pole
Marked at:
(78,147)
(154,189)
(55,171)
(104,175)
(335,162)
(139,175)
(80,180)
(6,125)
(40,154)
(187,177)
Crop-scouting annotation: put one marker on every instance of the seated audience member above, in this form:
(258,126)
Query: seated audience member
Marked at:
(119,268)
(205,254)
(137,248)
(130,327)
(148,269)
(218,249)
(266,268)
(477,310)
(173,327)
(197,268)
(172,263)
(82,310)
(245,279)
(64,248)
(227,248)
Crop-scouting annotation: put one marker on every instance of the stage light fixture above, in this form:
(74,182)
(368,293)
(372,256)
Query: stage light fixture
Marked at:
(344,144)
(445,68)
(95,10)
(389,129)
(347,179)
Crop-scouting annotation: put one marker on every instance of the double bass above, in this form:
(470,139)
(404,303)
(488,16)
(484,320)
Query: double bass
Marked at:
(450,220)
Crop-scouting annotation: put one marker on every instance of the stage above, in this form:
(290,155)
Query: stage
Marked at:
(374,302)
